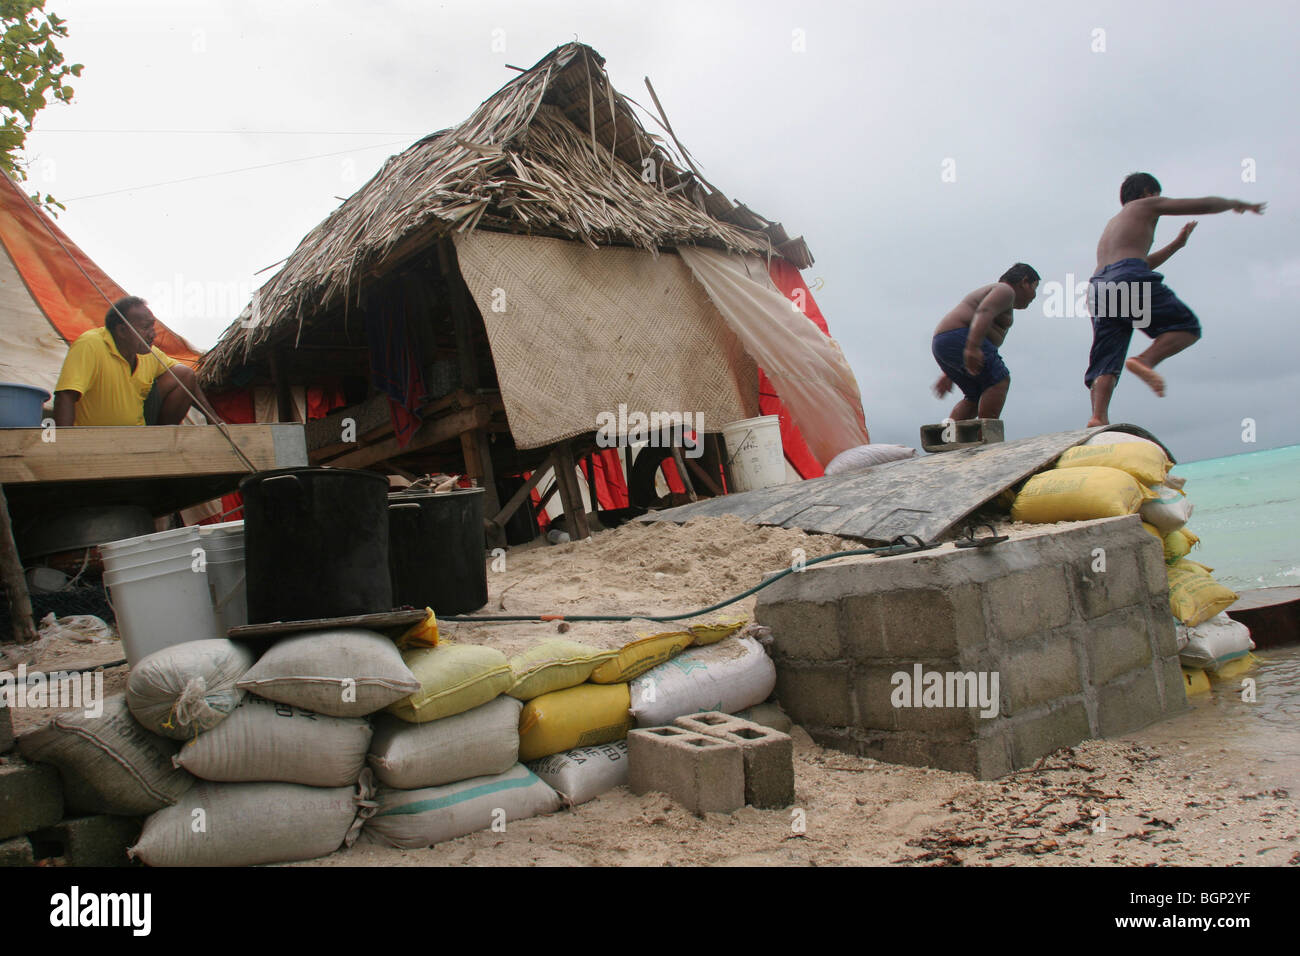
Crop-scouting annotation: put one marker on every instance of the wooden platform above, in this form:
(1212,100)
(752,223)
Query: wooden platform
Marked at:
(924,496)
(160,467)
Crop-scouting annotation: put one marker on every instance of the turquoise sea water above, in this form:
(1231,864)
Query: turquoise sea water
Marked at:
(1246,511)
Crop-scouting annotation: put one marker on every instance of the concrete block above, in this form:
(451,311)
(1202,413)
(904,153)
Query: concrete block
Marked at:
(1034,674)
(1160,626)
(815,694)
(1175,687)
(31,797)
(768,755)
(803,630)
(88,841)
(6,730)
(1026,603)
(1063,726)
(1119,586)
(1151,559)
(17,852)
(704,774)
(963,434)
(1117,644)
(1129,703)
(864,625)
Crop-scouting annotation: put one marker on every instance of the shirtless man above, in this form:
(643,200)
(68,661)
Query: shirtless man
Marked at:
(965,343)
(1125,294)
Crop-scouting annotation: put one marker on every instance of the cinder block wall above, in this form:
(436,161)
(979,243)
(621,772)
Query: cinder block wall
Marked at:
(1078,652)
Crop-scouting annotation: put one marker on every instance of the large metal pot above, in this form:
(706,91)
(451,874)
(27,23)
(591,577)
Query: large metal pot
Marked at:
(315,544)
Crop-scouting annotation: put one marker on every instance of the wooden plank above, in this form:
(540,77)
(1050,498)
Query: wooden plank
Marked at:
(924,496)
(519,497)
(371,419)
(145,451)
(379,621)
(11,574)
(575,514)
(284,408)
(478,459)
(432,432)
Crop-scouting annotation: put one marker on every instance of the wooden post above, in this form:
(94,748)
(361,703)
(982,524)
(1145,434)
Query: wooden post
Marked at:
(284,408)
(11,572)
(478,464)
(684,473)
(519,497)
(575,514)
(461,314)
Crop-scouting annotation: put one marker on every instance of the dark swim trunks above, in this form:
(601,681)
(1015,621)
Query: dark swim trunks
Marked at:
(947,348)
(1124,296)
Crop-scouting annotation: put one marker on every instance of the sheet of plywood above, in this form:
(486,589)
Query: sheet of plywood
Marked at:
(924,496)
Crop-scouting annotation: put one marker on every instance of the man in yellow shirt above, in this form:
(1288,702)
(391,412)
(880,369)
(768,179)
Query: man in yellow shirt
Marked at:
(110,372)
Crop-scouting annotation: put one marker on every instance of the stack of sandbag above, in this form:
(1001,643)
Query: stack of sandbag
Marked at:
(1094,481)
(1219,645)
(283,775)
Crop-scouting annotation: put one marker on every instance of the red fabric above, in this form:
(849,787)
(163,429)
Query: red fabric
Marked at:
(67,297)
(788,280)
(611,488)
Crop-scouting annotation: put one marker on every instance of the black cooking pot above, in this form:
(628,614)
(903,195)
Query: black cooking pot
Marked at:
(436,550)
(315,544)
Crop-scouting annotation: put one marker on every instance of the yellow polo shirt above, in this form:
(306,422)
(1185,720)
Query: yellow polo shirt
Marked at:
(111,394)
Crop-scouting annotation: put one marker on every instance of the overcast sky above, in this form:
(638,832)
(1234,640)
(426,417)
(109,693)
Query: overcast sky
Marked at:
(837,119)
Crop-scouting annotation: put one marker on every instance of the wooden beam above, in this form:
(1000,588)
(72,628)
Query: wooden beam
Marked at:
(703,475)
(684,473)
(432,432)
(519,497)
(478,459)
(15,585)
(370,420)
(575,513)
(144,451)
(284,408)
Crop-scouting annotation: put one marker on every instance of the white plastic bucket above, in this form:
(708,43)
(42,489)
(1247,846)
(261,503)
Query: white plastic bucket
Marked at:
(224,547)
(755,457)
(160,599)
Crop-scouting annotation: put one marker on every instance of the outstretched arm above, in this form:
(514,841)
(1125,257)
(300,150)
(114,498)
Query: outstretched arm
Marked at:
(1196,207)
(1160,256)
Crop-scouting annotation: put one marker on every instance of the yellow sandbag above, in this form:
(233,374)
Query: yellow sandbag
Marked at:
(1196,566)
(453,678)
(1194,596)
(1078,494)
(1177,544)
(640,655)
(712,633)
(581,716)
(1234,668)
(423,634)
(1144,461)
(1195,681)
(554,665)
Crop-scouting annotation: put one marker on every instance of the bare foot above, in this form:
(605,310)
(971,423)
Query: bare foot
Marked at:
(1148,375)
(1095,421)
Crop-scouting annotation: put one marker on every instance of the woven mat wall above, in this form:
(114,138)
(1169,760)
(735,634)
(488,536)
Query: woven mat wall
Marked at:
(585,329)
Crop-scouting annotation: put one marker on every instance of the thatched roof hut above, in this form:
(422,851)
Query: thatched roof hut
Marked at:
(557,151)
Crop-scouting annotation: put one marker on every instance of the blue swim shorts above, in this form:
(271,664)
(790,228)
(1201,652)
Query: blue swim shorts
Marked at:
(1124,296)
(947,348)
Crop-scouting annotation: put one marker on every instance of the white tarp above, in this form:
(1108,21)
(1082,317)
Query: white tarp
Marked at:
(807,367)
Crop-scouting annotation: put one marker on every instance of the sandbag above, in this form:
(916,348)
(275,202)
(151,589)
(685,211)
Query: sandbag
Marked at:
(579,716)
(866,456)
(1167,508)
(554,665)
(1178,544)
(637,657)
(1078,494)
(1145,460)
(243,824)
(728,677)
(412,819)
(109,764)
(267,741)
(346,672)
(452,678)
(584,773)
(1119,438)
(1214,643)
(711,632)
(187,688)
(477,743)
(1194,596)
